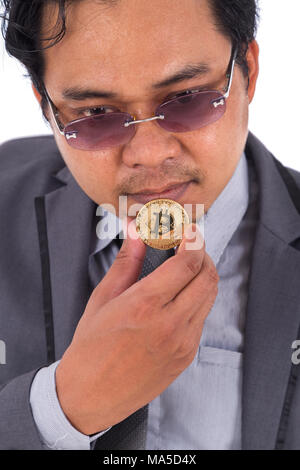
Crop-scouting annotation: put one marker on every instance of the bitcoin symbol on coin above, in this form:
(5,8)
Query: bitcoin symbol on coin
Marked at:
(160,223)
(164,223)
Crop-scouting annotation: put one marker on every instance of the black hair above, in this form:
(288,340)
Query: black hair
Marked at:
(21,26)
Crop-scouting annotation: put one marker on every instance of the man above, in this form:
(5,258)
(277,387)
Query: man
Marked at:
(197,353)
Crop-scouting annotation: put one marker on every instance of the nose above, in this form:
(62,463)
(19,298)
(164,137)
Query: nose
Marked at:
(150,146)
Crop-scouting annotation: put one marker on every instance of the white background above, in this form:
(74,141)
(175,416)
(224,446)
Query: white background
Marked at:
(274,112)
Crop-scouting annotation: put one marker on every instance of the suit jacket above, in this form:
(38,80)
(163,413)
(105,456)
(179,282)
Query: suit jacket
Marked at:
(46,222)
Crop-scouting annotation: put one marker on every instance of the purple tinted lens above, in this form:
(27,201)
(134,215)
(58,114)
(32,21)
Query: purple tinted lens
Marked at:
(191,112)
(100,131)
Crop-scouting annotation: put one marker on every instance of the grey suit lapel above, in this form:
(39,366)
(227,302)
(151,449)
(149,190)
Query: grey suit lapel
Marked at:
(69,214)
(64,221)
(273,311)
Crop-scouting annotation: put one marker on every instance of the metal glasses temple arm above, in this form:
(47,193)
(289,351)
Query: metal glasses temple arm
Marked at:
(230,72)
(54,113)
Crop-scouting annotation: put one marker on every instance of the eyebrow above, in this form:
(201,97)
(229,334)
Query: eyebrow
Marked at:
(190,71)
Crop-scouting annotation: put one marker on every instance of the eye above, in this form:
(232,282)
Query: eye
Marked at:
(96,110)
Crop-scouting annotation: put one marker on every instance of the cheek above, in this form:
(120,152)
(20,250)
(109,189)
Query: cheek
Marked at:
(205,145)
(216,148)
(225,136)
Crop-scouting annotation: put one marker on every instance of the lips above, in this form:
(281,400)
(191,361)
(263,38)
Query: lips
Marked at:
(174,192)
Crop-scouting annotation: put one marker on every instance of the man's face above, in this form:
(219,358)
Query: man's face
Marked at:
(126,49)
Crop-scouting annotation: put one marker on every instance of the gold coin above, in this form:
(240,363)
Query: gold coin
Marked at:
(160,223)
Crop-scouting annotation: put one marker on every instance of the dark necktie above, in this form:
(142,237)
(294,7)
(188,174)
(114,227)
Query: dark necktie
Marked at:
(131,432)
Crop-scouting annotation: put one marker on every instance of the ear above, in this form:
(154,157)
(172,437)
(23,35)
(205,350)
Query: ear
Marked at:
(253,66)
(36,94)
(39,99)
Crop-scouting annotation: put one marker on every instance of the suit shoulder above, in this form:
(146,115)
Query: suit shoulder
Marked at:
(295,174)
(39,151)
(27,166)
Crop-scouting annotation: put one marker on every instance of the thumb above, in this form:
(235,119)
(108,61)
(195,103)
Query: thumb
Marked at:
(125,269)
(192,240)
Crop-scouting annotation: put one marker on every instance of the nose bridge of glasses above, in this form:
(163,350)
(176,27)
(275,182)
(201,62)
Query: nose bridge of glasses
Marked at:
(129,123)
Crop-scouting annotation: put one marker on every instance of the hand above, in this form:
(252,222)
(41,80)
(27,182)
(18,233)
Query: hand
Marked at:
(135,337)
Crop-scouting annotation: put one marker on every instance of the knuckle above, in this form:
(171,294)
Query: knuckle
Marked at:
(185,349)
(209,307)
(193,264)
(162,338)
(121,257)
(211,299)
(145,306)
(212,274)
(191,355)
(215,290)
(140,311)
(184,357)
(148,304)
(151,300)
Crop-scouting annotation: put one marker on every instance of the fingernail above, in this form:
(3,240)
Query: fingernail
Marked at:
(190,231)
(194,239)
(131,230)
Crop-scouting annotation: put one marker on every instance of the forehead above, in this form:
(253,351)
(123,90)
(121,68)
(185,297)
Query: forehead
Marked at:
(131,41)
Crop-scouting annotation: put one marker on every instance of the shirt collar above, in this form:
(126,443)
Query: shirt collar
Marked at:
(220,222)
(225,214)
(108,227)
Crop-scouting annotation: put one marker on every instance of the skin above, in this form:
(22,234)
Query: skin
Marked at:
(129,55)
(135,338)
